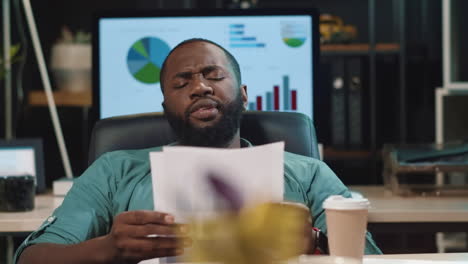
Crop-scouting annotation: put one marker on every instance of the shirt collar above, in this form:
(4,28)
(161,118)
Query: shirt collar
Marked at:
(243,142)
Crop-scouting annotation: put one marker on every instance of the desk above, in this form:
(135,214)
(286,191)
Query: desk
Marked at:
(402,219)
(440,257)
(26,222)
(452,258)
(23,223)
(445,258)
(437,214)
(386,208)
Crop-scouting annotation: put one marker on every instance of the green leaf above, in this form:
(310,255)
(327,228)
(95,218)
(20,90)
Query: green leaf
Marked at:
(14,50)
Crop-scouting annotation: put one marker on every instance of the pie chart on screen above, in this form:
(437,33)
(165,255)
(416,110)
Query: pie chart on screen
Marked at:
(145,58)
(293,34)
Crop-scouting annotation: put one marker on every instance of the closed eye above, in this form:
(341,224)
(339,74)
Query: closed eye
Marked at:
(180,85)
(213,73)
(215,78)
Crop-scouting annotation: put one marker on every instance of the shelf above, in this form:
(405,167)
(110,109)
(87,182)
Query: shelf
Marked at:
(84,99)
(62,98)
(358,48)
(331,153)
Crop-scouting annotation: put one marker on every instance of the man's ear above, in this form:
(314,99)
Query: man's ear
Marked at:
(245,98)
(163,106)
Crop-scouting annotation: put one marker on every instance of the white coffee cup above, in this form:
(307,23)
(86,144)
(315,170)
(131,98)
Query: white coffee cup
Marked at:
(346,225)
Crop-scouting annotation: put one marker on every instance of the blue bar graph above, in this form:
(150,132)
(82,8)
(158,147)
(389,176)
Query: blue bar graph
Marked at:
(244,39)
(237,26)
(247,45)
(238,32)
(269,101)
(252,106)
(238,38)
(287,101)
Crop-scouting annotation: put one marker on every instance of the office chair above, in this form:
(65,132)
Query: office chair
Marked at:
(152,129)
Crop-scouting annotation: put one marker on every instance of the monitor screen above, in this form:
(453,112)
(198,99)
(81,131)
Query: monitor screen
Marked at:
(20,157)
(276,51)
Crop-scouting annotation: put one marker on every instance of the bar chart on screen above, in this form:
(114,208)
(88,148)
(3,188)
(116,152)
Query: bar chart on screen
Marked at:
(239,39)
(281,97)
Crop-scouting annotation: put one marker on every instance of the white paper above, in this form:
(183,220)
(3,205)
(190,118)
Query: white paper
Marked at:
(180,184)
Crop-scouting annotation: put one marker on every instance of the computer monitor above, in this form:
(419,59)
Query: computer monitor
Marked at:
(277,51)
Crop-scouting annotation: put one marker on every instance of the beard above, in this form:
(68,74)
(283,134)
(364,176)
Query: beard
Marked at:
(218,135)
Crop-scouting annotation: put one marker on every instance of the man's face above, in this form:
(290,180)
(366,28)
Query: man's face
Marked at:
(202,99)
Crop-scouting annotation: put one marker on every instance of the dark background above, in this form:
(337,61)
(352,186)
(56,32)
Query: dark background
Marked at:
(423,74)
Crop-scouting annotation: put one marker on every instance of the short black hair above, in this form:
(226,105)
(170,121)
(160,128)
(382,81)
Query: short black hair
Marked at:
(229,56)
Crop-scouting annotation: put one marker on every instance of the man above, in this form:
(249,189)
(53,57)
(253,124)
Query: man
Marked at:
(108,214)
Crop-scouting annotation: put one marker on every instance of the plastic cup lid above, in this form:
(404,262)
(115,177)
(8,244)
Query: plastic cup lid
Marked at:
(341,203)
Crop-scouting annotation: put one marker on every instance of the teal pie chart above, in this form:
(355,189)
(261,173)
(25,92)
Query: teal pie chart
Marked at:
(145,58)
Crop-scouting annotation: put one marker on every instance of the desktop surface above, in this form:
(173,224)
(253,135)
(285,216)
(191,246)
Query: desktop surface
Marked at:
(386,208)
(25,222)
(389,208)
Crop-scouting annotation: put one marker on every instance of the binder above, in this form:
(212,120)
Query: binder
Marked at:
(355,98)
(338,103)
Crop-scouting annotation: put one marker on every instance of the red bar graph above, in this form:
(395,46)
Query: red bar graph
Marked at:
(276,98)
(259,103)
(293,100)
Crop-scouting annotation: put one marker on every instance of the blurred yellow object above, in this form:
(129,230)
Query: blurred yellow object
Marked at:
(258,235)
(333,30)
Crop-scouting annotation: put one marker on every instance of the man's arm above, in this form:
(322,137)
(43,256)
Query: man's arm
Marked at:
(91,251)
(127,242)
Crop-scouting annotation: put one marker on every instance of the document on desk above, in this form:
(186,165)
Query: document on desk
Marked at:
(182,178)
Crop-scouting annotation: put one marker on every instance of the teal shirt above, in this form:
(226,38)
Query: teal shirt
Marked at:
(120,181)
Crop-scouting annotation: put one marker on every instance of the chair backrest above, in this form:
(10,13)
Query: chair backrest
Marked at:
(152,129)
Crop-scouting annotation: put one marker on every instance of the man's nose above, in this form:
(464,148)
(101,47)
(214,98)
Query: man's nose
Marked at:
(200,86)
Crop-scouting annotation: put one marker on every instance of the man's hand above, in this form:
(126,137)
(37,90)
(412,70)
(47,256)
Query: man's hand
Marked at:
(140,235)
(135,236)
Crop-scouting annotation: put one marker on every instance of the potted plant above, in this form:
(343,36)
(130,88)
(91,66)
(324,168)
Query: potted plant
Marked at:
(71,61)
